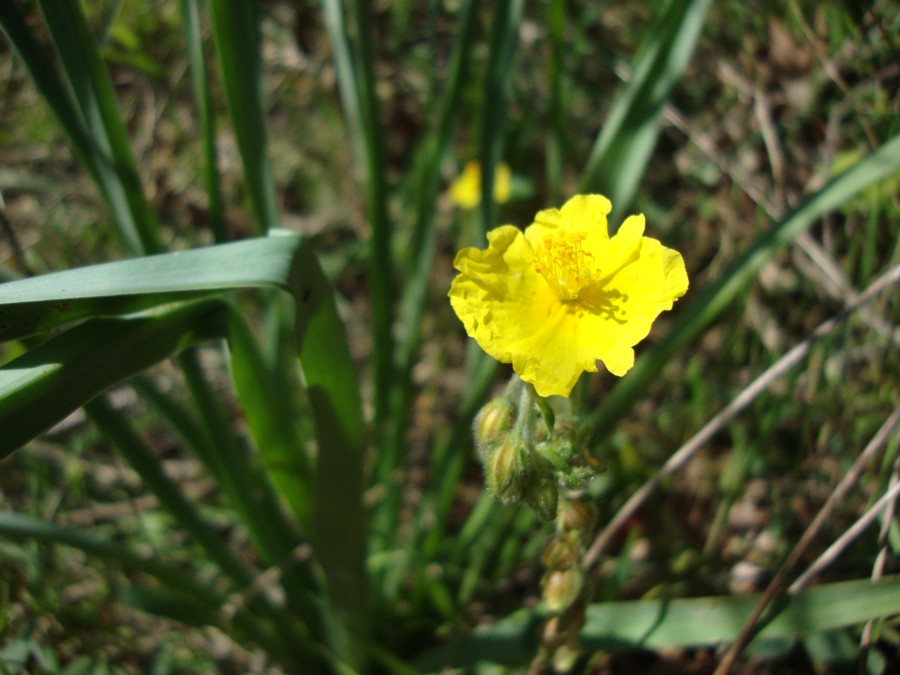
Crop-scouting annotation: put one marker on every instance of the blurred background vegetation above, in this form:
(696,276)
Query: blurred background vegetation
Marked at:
(776,99)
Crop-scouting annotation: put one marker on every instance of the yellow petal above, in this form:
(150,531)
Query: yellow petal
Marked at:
(582,213)
(465,191)
(593,299)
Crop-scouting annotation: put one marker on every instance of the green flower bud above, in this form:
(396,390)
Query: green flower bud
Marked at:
(543,498)
(578,515)
(563,551)
(561,588)
(508,468)
(494,419)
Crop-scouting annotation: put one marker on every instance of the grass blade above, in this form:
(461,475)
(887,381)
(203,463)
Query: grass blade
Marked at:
(424,242)
(356,82)
(235,27)
(96,99)
(283,261)
(704,306)
(556,24)
(504,34)
(201,597)
(205,117)
(656,624)
(41,387)
(134,221)
(622,150)
(270,415)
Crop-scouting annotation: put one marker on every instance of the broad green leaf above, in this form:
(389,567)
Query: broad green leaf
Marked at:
(39,303)
(282,260)
(45,384)
(694,622)
(270,416)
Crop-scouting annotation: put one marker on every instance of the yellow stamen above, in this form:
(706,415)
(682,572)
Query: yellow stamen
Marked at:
(567,268)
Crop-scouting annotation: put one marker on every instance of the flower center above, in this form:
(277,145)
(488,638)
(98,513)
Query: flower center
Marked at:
(566,267)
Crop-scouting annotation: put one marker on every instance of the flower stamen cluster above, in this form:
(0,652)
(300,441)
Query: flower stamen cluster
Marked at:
(566,266)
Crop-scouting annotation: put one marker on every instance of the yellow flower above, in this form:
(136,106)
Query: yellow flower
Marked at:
(466,189)
(562,295)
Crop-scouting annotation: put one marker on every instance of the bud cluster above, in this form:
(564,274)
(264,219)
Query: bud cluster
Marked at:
(527,455)
(565,587)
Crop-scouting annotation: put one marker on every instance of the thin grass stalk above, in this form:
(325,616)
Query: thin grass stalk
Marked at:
(705,305)
(135,451)
(779,581)
(556,24)
(206,118)
(251,493)
(623,148)
(96,98)
(502,49)
(237,41)
(171,576)
(85,106)
(356,82)
(424,242)
(736,405)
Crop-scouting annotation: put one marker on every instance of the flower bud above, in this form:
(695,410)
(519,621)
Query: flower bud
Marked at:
(494,419)
(579,515)
(564,550)
(507,469)
(561,588)
(543,498)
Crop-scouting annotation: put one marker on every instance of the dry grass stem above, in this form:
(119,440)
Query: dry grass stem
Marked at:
(779,581)
(741,401)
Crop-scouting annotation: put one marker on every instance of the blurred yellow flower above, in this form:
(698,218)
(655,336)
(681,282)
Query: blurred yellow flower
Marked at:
(465,191)
(562,295)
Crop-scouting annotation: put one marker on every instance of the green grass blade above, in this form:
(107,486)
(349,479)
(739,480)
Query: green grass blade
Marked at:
(116,427)
(44,75)
(423,246)
(559,100)
(356,82)
(504,35)
(235,27)
(42,386)
(29,306)
(96,99)
(89,151)
(624,145)
(270,415)
(706,304)
(282,260)
(657,624)
(329,374)
(175,577)
(205,117)
(249,490)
